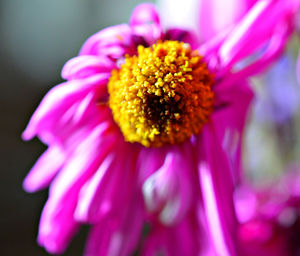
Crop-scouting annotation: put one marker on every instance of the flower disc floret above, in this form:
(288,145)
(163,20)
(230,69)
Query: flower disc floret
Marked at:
(162,95)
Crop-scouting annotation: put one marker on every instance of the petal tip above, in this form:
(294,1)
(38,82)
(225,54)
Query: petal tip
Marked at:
(28,186)
(27,135)
(144,13)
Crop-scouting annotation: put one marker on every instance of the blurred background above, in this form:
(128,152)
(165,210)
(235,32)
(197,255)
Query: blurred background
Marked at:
(38,37)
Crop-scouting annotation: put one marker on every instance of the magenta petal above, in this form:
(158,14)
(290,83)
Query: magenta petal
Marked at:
(76,123)
(92,206)
(255,29)
(217,15)
(180,239)
(182,36)
(110,189)
(229,119)
(145,25)
(117,237)
(149,161)
(184,239)
(82,163)
(144,14)
(146,34)
(86,66)
(216,183)
(57,226)
(59,99)
(44,170)
(156,243)
(208,50)
(117,38)
(267,57)
(169,190)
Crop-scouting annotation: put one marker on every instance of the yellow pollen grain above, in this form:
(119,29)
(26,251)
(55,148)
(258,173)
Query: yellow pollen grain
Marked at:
(161,96)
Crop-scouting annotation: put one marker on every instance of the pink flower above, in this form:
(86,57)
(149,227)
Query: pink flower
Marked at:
(270,223)
(122,149)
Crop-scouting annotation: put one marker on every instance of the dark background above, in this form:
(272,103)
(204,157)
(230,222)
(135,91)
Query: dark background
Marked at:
(37,38)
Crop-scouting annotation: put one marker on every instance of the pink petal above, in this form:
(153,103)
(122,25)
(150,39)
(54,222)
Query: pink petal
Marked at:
(229,119)
(255,29)
(156,243)
(265,59)
(145,25)
(118,38)
(180,239)
(110,189)
(82,163)
(149,161)
(216,182)
(144,14)
(86,66)
(182,36)
(59,99)
(44,170)
(184,238)
(57,224)
(169,190)
(209,49)
(76,123)
(117,237)
(217,15)
(146,34)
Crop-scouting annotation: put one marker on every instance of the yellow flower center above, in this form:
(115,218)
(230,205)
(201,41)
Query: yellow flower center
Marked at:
(161,96)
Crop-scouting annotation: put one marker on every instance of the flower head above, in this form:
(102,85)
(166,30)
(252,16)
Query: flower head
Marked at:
(147,128)
(162,95)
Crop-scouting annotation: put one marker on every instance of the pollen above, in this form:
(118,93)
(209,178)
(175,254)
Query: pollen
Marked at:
(163,95)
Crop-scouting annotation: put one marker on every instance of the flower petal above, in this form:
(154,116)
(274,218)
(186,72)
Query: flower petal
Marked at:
(59,99)
(146,34)
(216,182)
(145,25)
(182,36)
(217,15)
(57,225)
(110,189)
(169,190)
(266,57)
(149,161)
(255,29)
(117,237)
(86,66)
(144,14)
(177,240)
(229,118)
(44,170)
(112,42)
